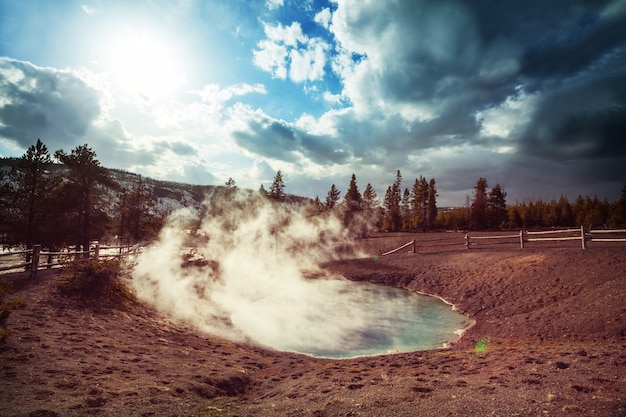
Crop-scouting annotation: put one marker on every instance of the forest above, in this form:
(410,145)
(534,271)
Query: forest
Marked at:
(70,199)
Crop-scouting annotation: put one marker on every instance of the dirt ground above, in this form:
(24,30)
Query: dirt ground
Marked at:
(549,340)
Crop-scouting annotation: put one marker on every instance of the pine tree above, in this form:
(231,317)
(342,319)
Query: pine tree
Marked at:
(392,217)
(32,186)
(371,207)
(431,205)
(496,207)
(135,210)
(618,212)
(370,199)
(478,213)
(420,202)
(332,197)
(82,190)
(353,197)
(405,209)
(277,190)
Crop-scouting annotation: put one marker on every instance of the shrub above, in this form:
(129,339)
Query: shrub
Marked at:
(6,307)
(96,281)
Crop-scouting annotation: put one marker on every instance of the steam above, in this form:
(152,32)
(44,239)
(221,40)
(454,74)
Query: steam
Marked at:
(246,269)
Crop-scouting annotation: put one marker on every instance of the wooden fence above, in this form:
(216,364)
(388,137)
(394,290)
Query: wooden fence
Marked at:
(34,257)
(521,238)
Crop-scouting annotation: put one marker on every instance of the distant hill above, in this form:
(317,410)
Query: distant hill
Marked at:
(167,195)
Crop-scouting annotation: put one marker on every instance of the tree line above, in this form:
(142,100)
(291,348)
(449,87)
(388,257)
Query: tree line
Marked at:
(488,211)
(41,203)
(415,209)
(364,212)
(69,206)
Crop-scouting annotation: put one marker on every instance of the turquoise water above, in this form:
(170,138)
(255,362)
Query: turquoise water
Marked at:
(380,319)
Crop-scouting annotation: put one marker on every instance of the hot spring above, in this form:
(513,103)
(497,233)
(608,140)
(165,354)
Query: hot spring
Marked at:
(375,319)
(245,274)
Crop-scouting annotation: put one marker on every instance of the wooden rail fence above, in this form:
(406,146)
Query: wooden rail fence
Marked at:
(523,237)
(33,257)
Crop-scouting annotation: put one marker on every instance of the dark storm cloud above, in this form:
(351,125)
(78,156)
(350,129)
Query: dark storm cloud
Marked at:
(584,118)
(44,103)
(562,63)
(587,38)
(278,140)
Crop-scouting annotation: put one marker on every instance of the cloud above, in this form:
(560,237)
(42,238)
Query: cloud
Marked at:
(445,89)
(308,64)
(323,17)
(263,135)
(515,112)
(273,4)
(54,105)
(288,52)
(89,10)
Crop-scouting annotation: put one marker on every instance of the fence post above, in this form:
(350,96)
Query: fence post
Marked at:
(49,262)
(414,246)
(582,236)
(35,261)
(96,252)
(467,241)
(521,238)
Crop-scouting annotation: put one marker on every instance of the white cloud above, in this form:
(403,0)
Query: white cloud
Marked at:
(332,98)
(274,4)
(271,57)
(218,96)
(286,35)
(308,64)
(89,10)
(323,17)
(513,114)
(287,51)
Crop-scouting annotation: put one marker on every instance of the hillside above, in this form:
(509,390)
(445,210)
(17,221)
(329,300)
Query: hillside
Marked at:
(167,195)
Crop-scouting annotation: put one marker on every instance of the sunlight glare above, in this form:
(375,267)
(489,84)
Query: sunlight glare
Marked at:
(145,65)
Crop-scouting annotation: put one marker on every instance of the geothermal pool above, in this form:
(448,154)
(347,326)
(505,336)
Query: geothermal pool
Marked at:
(365,319)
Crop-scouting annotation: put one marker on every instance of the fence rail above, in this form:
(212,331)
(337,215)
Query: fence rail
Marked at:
(608,239)
(522,238)
(56,258)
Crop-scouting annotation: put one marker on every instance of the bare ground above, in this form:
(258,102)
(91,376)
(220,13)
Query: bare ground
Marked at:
(549,340)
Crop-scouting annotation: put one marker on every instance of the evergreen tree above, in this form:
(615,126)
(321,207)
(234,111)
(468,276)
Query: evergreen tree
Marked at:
(564,213)
(136,221)
(392,216)
(332,198)
(352,206)
(496,207)
(32,185)
(431,208)
(81,190)
(478,213)
(370,199)
(371,207)
(405,209)
(353,197)
(618,212)
(277,190)
(420,203)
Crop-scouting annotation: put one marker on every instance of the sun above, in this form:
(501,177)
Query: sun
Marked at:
(144,64)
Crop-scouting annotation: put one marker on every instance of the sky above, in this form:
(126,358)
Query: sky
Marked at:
(530,95)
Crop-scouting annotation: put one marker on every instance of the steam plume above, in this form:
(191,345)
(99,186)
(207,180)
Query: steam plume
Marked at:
(248,276)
